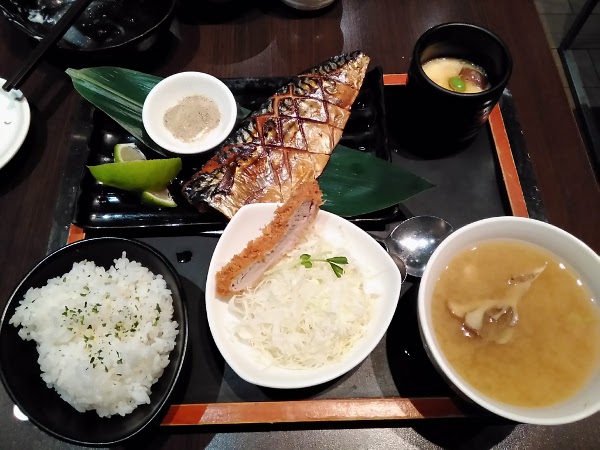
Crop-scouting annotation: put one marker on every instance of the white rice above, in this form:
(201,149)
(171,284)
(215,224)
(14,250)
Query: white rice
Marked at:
(103,336)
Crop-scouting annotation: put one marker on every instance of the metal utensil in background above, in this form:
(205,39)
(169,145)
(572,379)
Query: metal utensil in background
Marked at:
(58,30)
(106,33)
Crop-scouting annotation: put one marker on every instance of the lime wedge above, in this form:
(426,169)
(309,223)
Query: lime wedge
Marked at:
(128,152)
(150,175)
(158,198)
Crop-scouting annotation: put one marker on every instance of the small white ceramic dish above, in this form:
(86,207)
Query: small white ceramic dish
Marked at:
(383,280)
(15,118)
(172,90)
(568,249)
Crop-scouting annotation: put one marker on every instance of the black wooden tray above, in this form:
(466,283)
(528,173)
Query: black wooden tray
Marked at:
(397,380)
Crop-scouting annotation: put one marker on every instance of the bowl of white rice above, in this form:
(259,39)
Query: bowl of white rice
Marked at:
(93,339)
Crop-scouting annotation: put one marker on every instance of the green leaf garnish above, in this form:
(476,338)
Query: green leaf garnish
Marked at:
(338,260)
(307,261)
(337,270)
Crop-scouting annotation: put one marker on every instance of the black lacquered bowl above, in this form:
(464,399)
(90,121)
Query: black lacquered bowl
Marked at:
(20,372)
(105,25)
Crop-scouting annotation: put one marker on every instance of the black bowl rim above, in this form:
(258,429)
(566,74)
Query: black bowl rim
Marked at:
(183,329)
(11,18)
(488,92)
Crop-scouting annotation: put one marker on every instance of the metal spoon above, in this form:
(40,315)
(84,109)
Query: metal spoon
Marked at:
(414,241)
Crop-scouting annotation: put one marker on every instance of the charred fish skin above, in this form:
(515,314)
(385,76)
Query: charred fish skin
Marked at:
(283,143)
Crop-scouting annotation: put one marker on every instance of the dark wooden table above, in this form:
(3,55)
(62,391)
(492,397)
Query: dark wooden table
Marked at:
(266,39)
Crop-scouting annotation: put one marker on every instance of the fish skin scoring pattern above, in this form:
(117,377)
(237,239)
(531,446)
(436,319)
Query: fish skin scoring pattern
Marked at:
(285,142)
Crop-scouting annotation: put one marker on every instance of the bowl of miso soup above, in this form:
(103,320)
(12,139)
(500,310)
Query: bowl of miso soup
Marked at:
(509,313)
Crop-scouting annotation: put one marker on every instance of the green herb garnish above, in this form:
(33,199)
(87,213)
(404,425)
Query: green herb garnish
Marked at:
(307,261)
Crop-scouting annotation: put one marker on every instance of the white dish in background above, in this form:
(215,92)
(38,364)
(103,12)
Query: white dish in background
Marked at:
(15,118)
(383,279)
(308,5)
(172,90)
(569,250)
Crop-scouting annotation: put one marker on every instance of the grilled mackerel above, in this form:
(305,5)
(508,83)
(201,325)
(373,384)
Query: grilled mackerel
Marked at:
(286,142)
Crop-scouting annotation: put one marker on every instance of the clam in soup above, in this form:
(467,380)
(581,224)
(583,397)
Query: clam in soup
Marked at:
(516,323)
(457,75)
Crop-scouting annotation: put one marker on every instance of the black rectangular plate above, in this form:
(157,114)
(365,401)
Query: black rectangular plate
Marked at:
(103,207)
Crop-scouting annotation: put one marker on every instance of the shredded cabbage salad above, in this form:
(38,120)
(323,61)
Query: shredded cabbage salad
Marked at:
(301,317)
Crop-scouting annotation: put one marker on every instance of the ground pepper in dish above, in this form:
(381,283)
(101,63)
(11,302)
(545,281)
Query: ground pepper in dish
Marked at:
(192,118)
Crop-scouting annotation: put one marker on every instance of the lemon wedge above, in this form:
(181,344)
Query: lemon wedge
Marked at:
(150,175)
(158,198)
(128,152)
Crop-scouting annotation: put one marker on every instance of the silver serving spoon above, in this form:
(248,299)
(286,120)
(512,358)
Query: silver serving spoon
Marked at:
(412,242)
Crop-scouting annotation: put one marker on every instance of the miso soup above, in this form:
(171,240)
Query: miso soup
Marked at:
(457,75)
(516,323)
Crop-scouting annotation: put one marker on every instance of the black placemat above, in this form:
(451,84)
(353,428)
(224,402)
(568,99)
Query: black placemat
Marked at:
(469,187)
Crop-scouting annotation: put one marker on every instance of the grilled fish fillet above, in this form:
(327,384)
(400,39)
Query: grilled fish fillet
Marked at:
(283,233)
(286,142)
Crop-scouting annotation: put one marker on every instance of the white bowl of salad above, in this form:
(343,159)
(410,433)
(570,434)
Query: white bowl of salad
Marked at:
(315,315)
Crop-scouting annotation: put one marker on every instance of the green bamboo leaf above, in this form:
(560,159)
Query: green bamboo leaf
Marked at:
(120,93)
(356,183)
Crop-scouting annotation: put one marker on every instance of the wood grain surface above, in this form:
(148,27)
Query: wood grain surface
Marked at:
(265,38)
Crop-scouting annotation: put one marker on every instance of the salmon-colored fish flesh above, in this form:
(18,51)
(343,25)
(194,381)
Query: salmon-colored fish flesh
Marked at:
(287,141)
